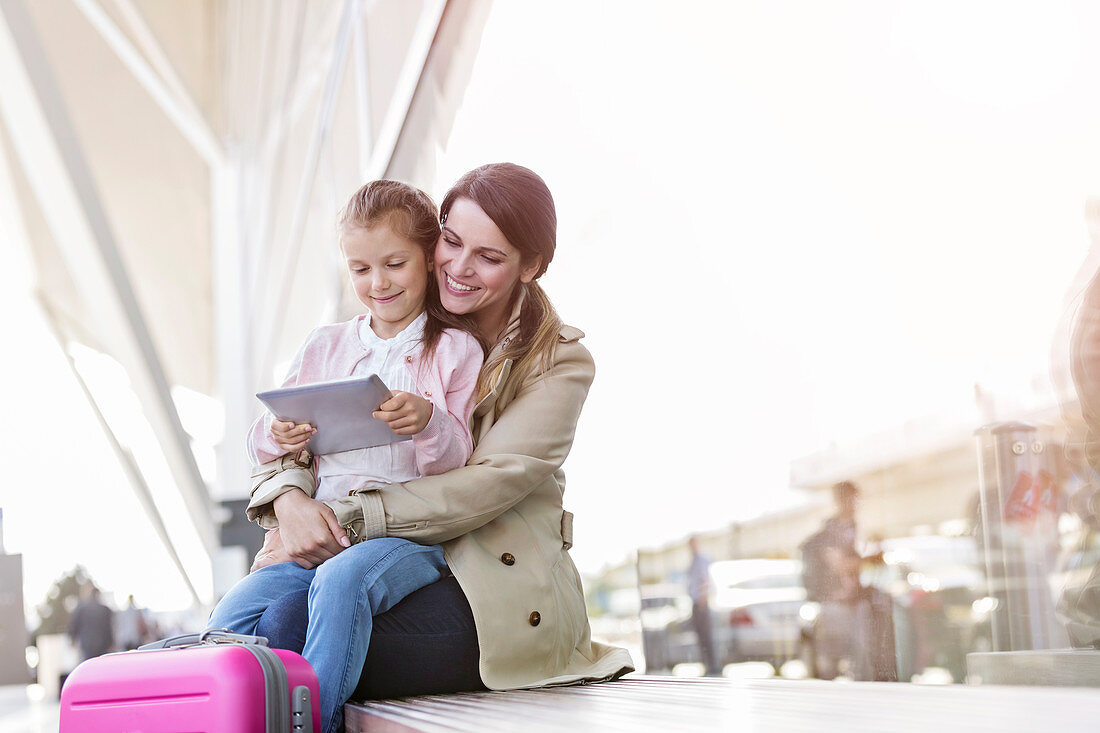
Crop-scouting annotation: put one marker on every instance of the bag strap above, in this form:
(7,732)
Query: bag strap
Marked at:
(210,636)
(276,690)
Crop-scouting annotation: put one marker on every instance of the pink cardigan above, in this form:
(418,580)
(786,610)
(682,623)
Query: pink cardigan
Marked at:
(448,381)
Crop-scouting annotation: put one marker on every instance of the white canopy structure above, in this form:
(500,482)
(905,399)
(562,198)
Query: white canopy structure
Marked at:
(174,170)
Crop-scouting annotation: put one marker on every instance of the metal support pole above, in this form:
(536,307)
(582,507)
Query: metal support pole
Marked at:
(1019,535)
(45,141)
(167,92)
(284,274)
(125,459)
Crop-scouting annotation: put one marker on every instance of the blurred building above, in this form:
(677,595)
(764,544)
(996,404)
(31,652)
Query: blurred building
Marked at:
(173,172)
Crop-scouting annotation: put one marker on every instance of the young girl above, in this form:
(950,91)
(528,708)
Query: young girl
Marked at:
(388,232)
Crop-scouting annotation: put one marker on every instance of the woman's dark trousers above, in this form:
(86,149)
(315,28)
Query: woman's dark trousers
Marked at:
(426,644)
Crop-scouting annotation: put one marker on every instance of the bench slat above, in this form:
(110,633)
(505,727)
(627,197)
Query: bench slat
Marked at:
(679,704)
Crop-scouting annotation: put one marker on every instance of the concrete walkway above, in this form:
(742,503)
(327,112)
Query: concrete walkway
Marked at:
(23,710)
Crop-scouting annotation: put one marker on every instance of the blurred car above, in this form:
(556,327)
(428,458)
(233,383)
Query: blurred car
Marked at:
(754,607)
(940,607)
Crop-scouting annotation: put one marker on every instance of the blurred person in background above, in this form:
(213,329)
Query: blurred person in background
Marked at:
(131,628)
(699,590)
(855,621)
(91,625)
(830,572)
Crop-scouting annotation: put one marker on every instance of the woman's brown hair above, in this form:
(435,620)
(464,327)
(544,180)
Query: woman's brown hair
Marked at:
(519,203)
(412,214)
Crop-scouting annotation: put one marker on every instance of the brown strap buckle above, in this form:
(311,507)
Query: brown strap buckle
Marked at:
(303,458)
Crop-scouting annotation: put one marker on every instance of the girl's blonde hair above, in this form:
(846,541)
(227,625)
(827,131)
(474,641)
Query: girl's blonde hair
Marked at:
(519,203)
(410,213)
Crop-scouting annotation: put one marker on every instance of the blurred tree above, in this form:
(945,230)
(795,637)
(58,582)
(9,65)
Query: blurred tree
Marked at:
(61,599)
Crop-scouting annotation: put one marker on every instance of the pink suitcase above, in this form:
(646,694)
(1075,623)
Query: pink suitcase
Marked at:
(200,683)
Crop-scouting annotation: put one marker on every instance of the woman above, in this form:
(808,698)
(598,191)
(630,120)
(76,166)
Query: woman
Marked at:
(499,518)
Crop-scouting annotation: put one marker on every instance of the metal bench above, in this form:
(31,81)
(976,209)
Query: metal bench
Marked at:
(678,704)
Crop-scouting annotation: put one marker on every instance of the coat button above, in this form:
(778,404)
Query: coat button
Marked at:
(508,558)
(428,393)
(408,360)
(534,618)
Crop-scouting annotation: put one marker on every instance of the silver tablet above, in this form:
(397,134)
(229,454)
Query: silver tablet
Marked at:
(340,410)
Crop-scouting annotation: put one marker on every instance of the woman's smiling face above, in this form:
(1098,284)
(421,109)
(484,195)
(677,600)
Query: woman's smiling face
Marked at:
(478,269)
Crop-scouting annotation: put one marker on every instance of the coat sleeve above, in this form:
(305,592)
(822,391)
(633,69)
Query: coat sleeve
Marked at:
(261,443)
(526,445)
(445,442)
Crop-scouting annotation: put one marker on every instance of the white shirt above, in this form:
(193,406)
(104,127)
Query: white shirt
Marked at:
(338,474)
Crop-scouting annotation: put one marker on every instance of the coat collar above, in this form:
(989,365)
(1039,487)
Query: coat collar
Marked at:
(512,329)
(412,332)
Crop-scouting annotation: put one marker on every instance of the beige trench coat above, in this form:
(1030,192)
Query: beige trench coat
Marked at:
(503,529)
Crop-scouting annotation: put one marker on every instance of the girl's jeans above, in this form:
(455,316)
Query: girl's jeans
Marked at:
(345,592)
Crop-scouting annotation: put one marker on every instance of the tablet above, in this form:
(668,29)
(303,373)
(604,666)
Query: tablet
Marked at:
(340,410)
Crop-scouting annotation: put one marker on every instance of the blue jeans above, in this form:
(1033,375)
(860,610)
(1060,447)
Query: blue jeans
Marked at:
(344,594)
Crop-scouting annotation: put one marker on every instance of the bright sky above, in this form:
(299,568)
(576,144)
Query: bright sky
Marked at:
(781,224)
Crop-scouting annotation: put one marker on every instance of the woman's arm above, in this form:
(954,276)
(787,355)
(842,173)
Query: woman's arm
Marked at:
(528,443)
(308,531)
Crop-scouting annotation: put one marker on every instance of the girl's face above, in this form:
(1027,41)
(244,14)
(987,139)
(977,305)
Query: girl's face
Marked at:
(389,274)
(477,268)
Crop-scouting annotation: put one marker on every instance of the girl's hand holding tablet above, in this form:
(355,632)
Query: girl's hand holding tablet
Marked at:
(405,413)
(291,437)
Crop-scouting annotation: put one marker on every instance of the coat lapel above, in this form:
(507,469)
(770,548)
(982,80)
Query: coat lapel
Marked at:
(486,404)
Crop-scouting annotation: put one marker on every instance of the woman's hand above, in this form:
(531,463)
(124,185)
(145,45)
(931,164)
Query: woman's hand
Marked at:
(272,552)
(308,528)
(291,437)
(405,413)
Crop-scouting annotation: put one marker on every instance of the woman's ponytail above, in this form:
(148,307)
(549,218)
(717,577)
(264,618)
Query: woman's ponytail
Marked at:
(531,349)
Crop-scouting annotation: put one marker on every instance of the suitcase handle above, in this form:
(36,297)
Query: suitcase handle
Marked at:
(209,636)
